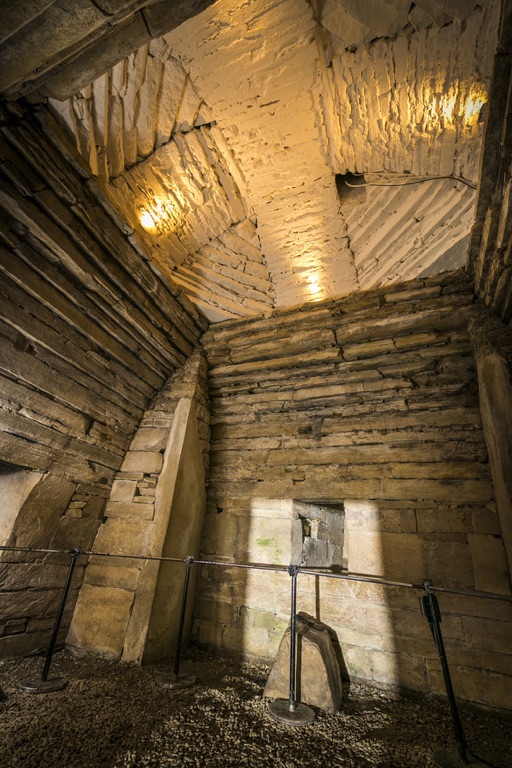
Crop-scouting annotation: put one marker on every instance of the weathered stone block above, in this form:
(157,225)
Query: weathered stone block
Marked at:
(370,664)
(412,340)
(73,512)
(16,487)
(368,349)
(442,519)
(74,532)
(118,577)
(149,439)
(136,510)
(387,555)
(219,534)
(485,519)
(217,611)
(208,633)
(253,588)
(128,537)
(29,603)
(489,563)
(486,634)
(21,576)
(264,540)
(251,641)
(282,508)
(42,510)
(318,678)
(15,646)
(123,490)
(142,461)
(94,507)
(447,561)
(100,620)
(254,617)
(477,685)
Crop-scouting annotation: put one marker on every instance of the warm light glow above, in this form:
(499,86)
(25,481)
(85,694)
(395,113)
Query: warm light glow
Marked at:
(147,220)
(447,106)
(473,106)
(461,107)
(162,215)
(315,288)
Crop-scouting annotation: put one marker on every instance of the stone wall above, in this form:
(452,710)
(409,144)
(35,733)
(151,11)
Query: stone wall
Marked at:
(491,242)
(128,608)
(89,332)
(370,402)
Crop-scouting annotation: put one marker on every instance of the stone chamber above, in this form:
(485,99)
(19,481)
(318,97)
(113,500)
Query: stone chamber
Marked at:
(256,306)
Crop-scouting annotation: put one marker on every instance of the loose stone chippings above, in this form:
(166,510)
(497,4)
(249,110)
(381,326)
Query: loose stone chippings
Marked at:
(117,716)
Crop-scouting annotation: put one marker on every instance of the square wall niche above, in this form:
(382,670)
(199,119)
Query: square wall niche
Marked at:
(318,532)
(291,532)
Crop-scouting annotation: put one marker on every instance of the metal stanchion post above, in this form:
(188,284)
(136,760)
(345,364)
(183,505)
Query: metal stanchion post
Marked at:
(292,712)
(446,758)
(43,685)
(173,680)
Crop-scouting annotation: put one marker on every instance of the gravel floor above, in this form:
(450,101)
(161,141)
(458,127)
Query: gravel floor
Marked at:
(115,715)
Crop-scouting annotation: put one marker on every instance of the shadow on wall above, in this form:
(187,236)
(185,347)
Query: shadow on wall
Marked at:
(379,632)
(335,537)
(373,407)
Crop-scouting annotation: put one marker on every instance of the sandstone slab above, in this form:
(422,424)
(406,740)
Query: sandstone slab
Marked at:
(318,672)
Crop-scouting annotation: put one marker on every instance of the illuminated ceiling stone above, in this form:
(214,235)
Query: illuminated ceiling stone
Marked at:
(220,142)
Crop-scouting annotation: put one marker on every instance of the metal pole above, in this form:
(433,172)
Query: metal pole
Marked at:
(49,656)
(44,685)
(293,638)
(430,609)
(173,680)
(189,560)
(291,711)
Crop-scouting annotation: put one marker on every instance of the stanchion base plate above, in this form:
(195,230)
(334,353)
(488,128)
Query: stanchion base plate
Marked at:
(301,715)
(36,685)
(448,758)
(175,682)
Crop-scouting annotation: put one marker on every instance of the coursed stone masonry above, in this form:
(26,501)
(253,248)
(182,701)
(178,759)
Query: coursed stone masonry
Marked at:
(370,401)
(89,333)
(156,508)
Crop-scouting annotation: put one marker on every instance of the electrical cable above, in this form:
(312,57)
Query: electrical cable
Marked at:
(405,183)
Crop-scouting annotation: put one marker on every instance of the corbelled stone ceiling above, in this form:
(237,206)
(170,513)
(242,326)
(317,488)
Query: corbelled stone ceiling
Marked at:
(268,153)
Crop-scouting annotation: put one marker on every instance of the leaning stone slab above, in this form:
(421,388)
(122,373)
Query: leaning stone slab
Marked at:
(318,673)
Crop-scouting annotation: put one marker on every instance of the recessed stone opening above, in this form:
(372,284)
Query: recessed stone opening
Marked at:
(351,188)
(318,535)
